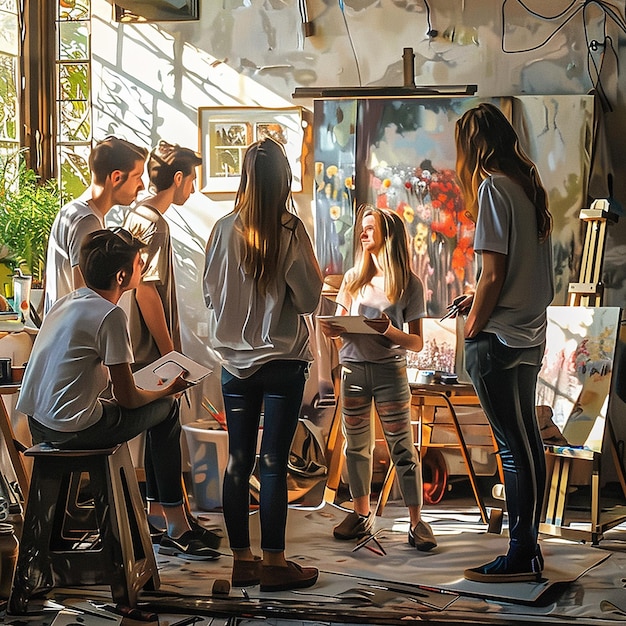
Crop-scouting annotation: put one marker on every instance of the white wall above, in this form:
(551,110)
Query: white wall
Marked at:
(150,79)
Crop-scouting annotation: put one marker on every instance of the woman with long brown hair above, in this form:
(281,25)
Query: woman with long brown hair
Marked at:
(261,277)
(506,321)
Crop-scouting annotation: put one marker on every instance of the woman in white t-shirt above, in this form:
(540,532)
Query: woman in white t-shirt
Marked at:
(506,324)
(381,287)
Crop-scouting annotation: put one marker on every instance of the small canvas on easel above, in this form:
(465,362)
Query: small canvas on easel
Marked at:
(575,377)
(443,349)
(440,347)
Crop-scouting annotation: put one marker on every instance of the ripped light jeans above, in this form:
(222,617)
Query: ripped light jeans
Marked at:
(387,385)
(505,380)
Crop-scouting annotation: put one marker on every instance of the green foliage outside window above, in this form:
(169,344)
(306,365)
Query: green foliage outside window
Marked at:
(28,207)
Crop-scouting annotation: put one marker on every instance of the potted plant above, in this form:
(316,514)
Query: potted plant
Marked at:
(28,207)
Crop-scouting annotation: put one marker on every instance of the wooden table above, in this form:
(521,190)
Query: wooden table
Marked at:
(13,446)
(427,397)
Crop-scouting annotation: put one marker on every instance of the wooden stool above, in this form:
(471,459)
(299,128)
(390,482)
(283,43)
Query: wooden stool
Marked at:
(101,540)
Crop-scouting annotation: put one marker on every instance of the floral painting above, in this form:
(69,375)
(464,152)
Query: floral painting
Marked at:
(440,235)
(440,347)
(335,156)
(400,155)
(576,372)
(410,169)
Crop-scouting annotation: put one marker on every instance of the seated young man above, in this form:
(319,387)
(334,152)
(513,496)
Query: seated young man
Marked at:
(79,393)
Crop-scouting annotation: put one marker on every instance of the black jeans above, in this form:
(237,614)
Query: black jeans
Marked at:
(505,380)
(277,389)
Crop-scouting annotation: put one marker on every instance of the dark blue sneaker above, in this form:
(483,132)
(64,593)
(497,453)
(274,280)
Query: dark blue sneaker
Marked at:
(503,569)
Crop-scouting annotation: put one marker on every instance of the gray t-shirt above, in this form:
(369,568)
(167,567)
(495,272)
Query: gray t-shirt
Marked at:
(507,224)
(371,301)
(75,220)
(146,223)
(249,328)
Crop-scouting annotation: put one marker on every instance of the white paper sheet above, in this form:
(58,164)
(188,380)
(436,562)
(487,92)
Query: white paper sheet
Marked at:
(163,371)
(352,323)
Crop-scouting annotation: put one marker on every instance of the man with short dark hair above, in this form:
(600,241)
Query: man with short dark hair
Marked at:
(153,314)
(78,389)
(116,168)
(153,311)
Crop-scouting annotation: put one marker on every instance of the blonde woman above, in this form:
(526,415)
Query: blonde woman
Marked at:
(261,277)
(381,287)
(506,324)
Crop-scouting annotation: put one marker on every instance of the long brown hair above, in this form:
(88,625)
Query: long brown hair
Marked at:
(393,257)
(486,143)
(263,199)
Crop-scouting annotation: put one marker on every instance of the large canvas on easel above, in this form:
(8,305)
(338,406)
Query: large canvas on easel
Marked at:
(400,154)
(577,368)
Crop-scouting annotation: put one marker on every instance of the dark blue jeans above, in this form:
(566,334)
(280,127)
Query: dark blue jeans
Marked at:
(277,389)
(505,380)
(160,421)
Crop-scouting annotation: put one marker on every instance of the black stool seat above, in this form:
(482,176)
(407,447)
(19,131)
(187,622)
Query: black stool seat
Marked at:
(84,524)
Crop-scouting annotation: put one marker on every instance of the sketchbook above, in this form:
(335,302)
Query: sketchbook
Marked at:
(352,323)
(164,370)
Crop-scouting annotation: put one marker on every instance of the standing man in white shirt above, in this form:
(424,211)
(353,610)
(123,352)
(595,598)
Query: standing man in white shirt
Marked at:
(116,167)
(153,315)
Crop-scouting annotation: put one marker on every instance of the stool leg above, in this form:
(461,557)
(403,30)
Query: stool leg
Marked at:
(117,551)
(33,571)
(137,562)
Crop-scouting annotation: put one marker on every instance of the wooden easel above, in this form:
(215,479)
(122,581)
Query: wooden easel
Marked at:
(587,292)
(14,447)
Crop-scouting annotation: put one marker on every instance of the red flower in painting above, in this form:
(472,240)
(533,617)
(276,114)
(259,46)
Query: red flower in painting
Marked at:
(446,224)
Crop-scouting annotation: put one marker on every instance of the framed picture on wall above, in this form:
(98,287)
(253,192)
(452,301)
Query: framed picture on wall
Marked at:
(226,133)
(155,10)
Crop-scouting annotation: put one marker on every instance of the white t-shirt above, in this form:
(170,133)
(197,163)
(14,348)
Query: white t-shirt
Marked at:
(507,224)
(75,220)
(66,372)
(146,223)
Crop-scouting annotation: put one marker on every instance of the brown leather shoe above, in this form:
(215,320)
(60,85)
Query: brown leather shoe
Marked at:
(280,578)
(421,537)
(246,573)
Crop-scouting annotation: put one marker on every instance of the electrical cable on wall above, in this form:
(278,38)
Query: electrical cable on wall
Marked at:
(429,31)
(307,25)
(594,46)
(356,60)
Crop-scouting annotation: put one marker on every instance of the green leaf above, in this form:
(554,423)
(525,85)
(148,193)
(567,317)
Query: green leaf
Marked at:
(28,207)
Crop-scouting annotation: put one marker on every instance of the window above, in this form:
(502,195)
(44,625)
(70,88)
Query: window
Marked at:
(9,53)
(73,95)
